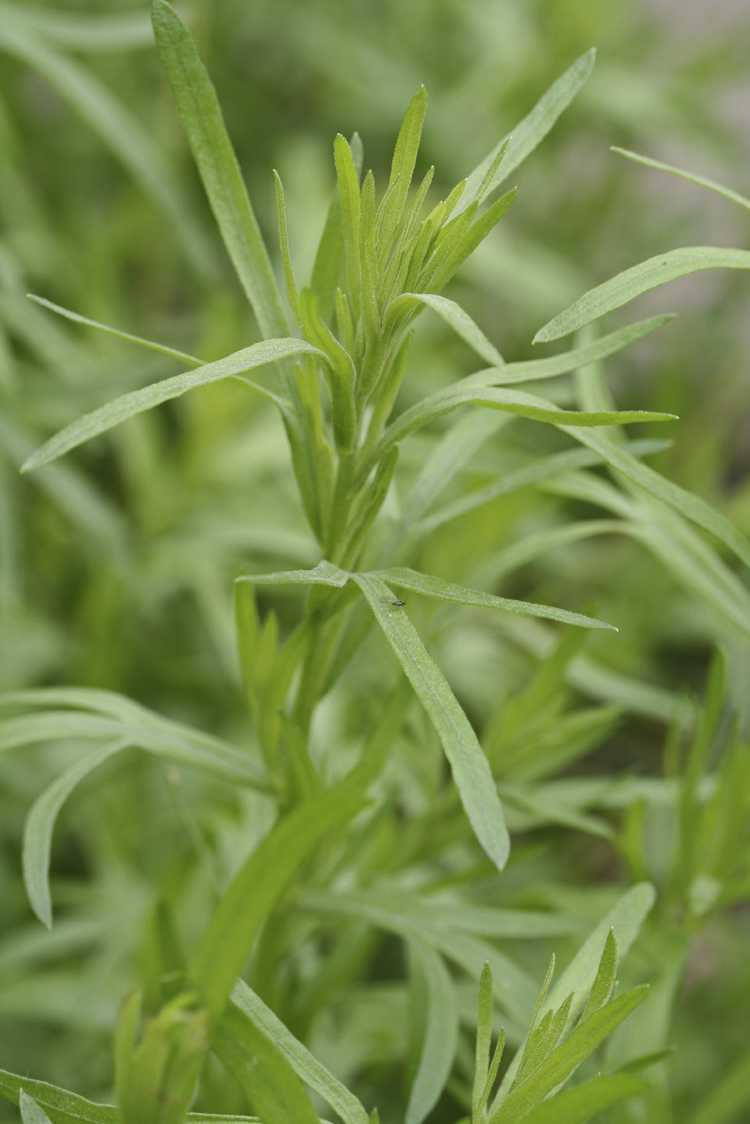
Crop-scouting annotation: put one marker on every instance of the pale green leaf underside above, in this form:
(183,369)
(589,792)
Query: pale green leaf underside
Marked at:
(31,1113)
(137,401)
(40,824)
(639,279)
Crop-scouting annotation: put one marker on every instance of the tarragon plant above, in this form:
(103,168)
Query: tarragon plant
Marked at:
(333,357)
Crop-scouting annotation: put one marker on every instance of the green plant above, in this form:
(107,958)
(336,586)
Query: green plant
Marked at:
(379,833)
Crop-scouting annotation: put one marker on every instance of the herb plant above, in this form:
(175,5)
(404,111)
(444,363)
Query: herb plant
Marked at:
(355,840)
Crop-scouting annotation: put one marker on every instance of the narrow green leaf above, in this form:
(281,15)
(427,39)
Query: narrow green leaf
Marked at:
(64,1107)
(137,401)
(483,1043)
(587,1100)
(509,401)
(40,825)
(531,370)
(327,265)
(322,574)
(262,1070)
(307,1067)
(286,254)
(403,164)
(580,1044)
(203,122)
(602,987)
(691,506)
(623,922)
(127,721)
(624,287)
(454,316)
(468,763)
(257,887)
(150,345)
(531,131)
(441,1034)
(430,586)
(349,202)
(701,181)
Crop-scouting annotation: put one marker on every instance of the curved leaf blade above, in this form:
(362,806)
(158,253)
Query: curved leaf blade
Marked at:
(147,397)
(631,283)
(455,317)
(307,1067)
(40,825)
(257,887)
(468,763)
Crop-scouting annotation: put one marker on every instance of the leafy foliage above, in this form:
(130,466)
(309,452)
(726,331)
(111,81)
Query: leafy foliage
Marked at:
(436,788)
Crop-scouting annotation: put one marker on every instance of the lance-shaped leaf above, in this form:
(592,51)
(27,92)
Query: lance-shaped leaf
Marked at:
(257,887)
(203,122)
(307,1067)
(516,402)
(430,586)
(468,763)
(138,401)
(624,287)
(40,824)
(531,370)
(529,132)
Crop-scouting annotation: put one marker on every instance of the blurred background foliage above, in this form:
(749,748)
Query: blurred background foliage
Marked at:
(116,564)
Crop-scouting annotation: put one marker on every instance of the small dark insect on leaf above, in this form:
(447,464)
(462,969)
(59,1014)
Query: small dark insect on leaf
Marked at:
(397,604)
